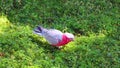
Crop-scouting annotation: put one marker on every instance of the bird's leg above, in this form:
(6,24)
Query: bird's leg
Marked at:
(59,47)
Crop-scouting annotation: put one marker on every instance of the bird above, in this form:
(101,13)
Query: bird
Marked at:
(54,37)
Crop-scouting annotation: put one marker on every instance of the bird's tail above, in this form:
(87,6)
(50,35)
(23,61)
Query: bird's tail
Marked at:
(38,30)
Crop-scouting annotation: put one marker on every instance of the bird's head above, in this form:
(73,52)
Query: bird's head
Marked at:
(70,36)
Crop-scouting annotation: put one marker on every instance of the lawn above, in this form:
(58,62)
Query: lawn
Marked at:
(95,24)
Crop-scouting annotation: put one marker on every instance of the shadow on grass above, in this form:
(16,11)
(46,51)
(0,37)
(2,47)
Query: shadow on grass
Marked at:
(42,44)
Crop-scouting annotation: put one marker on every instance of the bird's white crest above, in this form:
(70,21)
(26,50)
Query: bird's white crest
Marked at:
(69,35)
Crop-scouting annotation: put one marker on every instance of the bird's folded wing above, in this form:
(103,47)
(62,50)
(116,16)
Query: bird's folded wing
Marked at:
(53,36)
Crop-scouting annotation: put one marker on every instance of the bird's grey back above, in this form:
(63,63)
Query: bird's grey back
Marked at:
(53,36)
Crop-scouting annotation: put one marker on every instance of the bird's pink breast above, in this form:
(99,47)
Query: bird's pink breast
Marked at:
(64,41)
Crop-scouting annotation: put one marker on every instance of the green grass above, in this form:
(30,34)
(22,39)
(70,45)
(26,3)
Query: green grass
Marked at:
(96,25)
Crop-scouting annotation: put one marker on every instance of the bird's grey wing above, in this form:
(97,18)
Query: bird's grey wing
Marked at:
(53,36)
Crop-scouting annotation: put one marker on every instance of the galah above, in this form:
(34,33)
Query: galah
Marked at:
(54,36)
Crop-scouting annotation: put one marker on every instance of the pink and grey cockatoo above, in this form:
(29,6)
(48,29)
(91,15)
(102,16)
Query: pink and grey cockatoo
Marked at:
(54,37)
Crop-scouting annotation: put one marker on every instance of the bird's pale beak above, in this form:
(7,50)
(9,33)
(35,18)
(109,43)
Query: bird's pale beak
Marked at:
(71,39)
